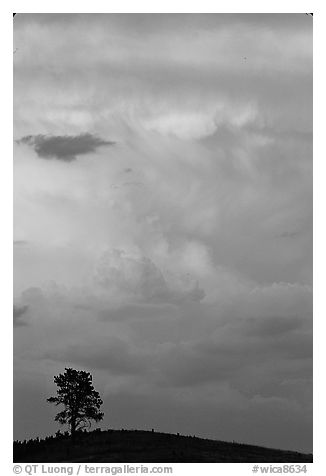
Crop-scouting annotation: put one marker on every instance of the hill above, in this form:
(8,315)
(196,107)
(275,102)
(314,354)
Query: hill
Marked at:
(135,446)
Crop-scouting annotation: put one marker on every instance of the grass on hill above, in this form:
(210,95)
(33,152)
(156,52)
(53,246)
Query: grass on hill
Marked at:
(136,446)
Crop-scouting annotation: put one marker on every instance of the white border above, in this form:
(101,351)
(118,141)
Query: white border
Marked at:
(168,6)
(6,235)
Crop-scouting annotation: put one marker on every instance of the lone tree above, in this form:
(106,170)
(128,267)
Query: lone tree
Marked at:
(81,401)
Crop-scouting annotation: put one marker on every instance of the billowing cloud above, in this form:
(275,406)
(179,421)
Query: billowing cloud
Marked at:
(64,148)
(141,279)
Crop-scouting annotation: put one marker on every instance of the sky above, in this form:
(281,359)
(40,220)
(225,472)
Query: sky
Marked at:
(163,221)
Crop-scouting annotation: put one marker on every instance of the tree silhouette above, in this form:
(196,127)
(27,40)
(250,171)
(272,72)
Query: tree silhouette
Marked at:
(81,401)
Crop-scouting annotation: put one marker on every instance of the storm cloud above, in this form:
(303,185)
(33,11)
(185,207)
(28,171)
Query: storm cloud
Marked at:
(65,148)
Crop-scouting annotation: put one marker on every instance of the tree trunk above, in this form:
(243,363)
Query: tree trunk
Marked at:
(73,430)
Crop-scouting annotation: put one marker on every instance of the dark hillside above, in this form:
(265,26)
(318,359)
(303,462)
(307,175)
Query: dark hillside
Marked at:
(132,446)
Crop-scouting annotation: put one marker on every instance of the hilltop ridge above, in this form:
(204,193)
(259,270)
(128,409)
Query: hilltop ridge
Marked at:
(135,446)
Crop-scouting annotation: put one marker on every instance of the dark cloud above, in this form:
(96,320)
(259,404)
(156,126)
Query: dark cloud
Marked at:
(113,355)
(234,353)
(20,242)
(65,148)
(272,326)
(18,313)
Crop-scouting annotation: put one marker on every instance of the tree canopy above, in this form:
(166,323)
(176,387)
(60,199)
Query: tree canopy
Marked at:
(80,400)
